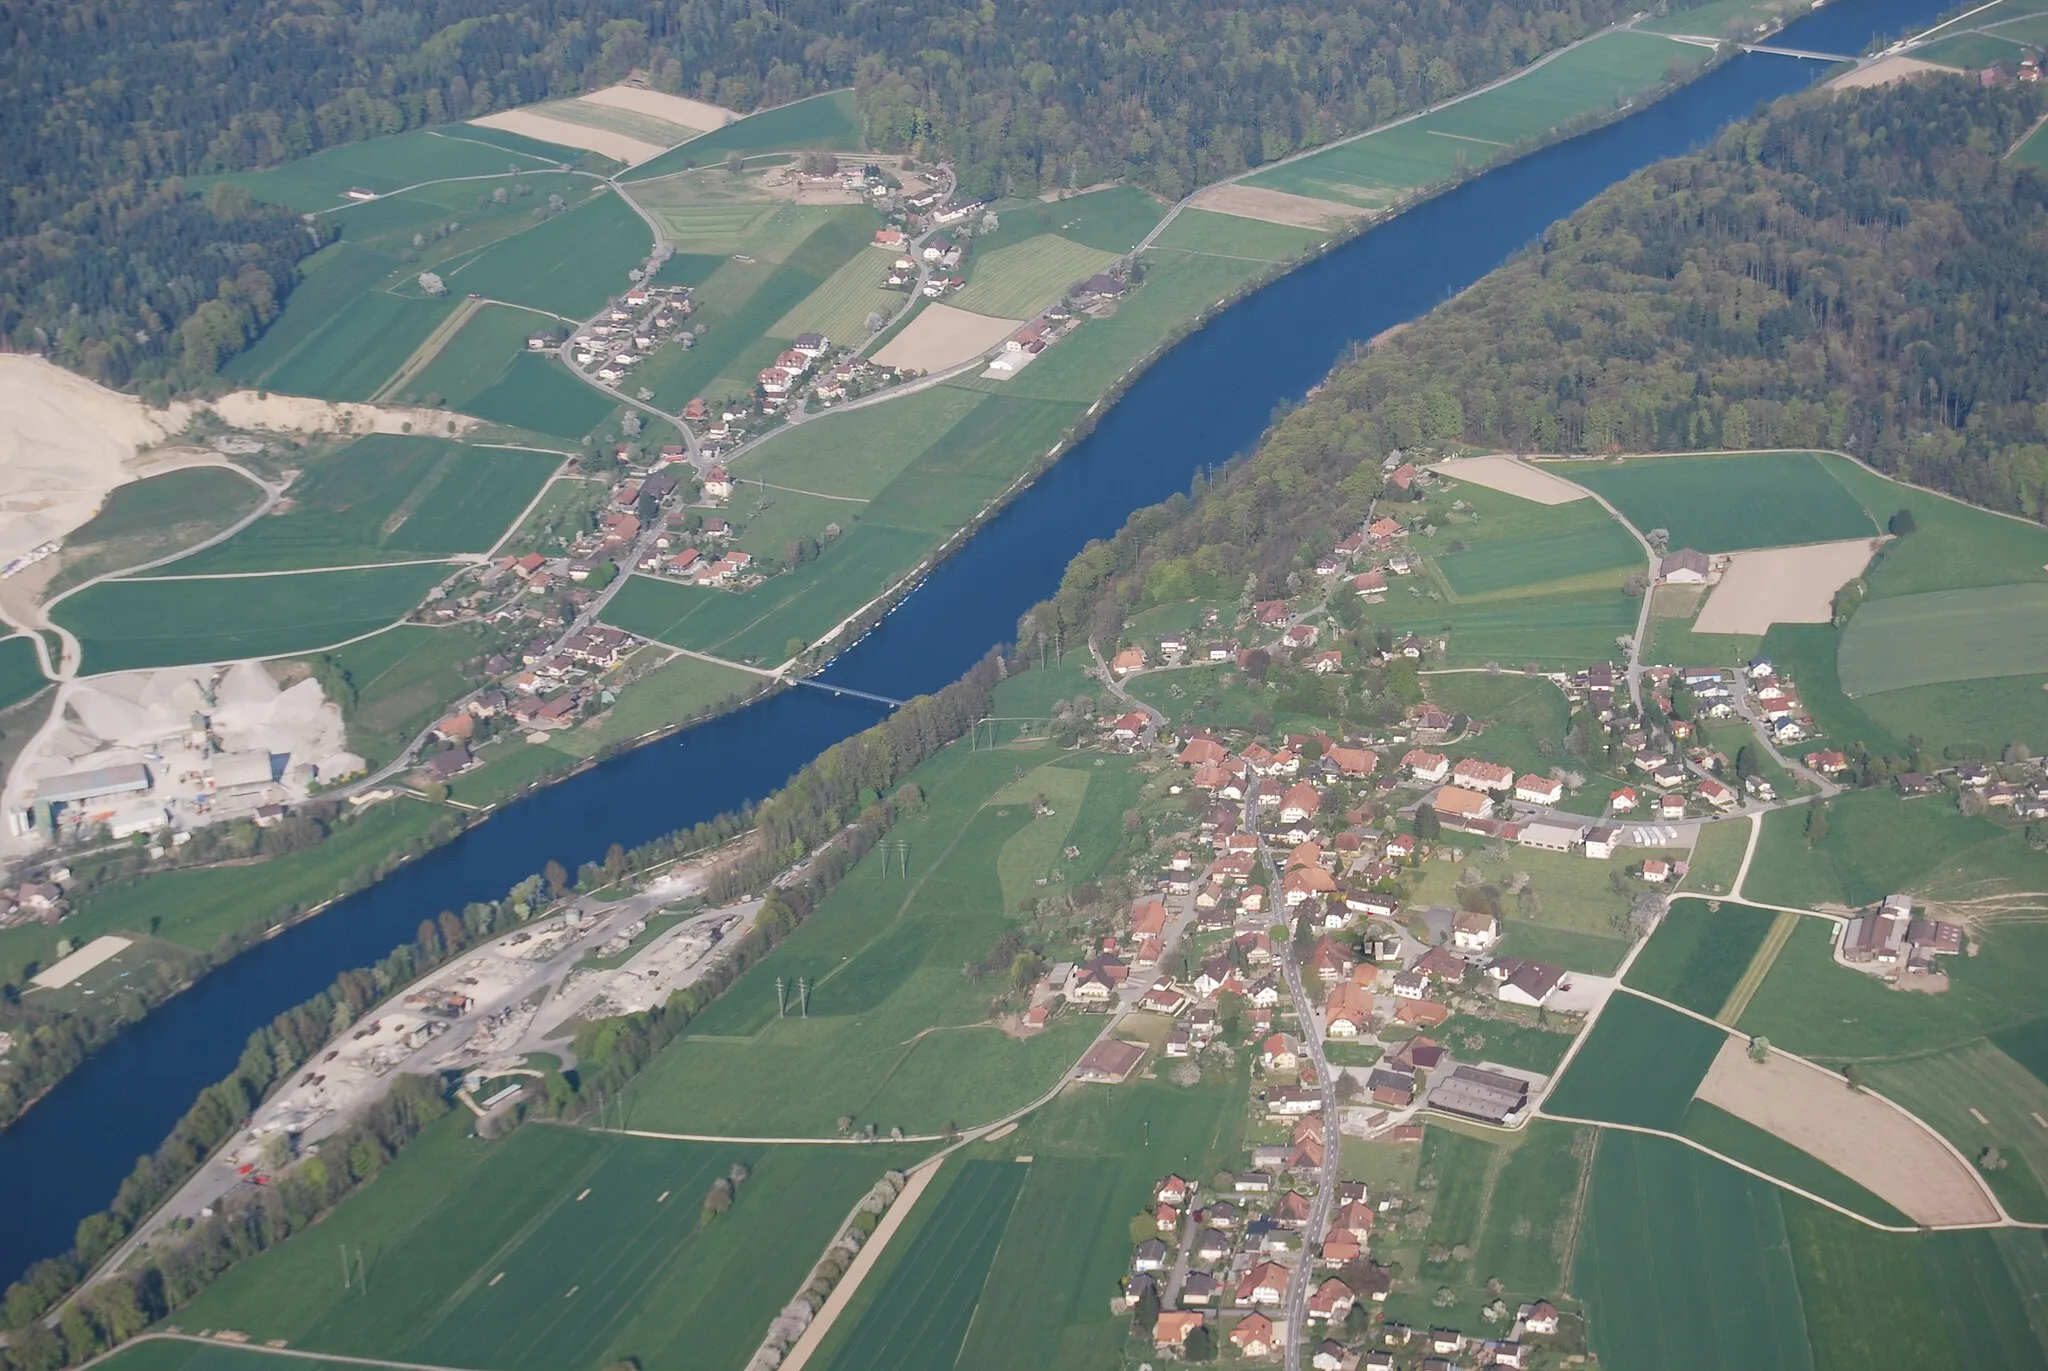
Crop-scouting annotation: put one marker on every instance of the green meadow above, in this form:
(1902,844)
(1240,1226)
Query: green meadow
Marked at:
(384,165)
(1016,282)
(1742,1141)
(1699,953)
(569,264)
(20,674)
(1726,504)
(822,121)
(1640,1066)
(403,679)
(156,517)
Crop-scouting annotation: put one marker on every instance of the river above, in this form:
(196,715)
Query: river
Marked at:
(1204,402)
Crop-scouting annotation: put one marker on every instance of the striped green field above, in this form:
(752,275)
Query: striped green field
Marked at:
(1016,282)
(840,306)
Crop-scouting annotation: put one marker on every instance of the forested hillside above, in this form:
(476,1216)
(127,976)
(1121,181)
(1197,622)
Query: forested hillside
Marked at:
(1862,271)
(103,256)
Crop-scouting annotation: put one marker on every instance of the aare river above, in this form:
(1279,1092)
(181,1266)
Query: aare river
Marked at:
(1204,402)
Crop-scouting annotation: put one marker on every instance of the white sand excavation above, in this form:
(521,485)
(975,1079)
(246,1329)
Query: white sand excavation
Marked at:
(174,748)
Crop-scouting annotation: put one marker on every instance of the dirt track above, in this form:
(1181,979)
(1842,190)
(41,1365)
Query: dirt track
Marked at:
(1858,1134)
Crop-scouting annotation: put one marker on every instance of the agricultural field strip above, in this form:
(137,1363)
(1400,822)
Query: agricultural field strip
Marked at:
(451,559)
(290,1354)
(1543,1110)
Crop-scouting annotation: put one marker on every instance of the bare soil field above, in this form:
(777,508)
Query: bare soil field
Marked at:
(603,142)
(1782,585)
(1884,72)
(1511,477)
(676,109)
(942,337)
(1276,206)
(1860,1135)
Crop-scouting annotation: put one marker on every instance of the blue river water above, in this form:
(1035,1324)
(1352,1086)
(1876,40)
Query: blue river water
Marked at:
(1203,403)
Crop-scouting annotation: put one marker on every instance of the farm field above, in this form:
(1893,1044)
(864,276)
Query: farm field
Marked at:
(387,497)
(1200,230)
(920,1316)
(1573,892)
(1018,281)
(125,624)
(1946,635)
(539,394)
(1588,952)
(403,678)
(1640,1066)
(1684,1263)
(20,676)
(1112,221)
(359,348)
(144,520)
(823,121)
(1972,50)
(472,361)
(175,1354)
(385,165)
(555,1247)
(1719,17)
(1713,1127)
(1990,712)
(1379,171)
(1953,1090)
(1716,857)
(1551,632)
(1697,954)
(196,908)
(1725,504)
(1868,1298)
(1521,564)
(843,302)
(567,265)
(858,453)
(883,955)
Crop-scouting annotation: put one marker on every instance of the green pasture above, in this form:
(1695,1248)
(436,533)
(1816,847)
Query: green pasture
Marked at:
(1514,715)
(178,1354)
(711,214)
(569,264)
(1870,1305)
(1990,712)
(386,497)
(676,691)
(359,347)
(859,452)
(1719,18)
(472,361)
(822,121)
(1230,235)
(1953,546)
(535,147)
(2034,151)
(144,520)
(920,1317)
(2027,1044)
(1382,169)
(1742,1141)
(1525,1234)
(1112,221)
(1017,282)
(1946,635)
(334,279)
(127,624)
(1684,1263)
(1716,857)
(196,908)
(1640,1066)
(1726,504)
(383,165)
(896,1035)
(1953,1088)
(20,675)
(1988,1286)
(1572,891)
(1549,631)
(1519,564)
(1592,953)
(1972,50)
(839,308)
(1698,953)
(554,1247)
(539,394)
(403,679)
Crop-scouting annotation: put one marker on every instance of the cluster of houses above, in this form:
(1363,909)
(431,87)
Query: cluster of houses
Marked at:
(1889,939)
(2017,789)
(554,687)
(625,331)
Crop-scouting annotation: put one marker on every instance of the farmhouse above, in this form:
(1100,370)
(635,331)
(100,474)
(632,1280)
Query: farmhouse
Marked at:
(1109,1062)
(1687,566)
(1474,1093)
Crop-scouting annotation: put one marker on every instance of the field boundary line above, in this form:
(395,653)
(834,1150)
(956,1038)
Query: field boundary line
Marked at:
(456,559)
(765,1142)
(919,1180)
(430,347)
(299,1353)
(478,142)
(1759,967)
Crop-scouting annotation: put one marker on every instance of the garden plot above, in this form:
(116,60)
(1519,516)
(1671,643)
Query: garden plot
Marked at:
(1782,585)
(1866,1139)
(1512,477)
(944,337)
(1276,206)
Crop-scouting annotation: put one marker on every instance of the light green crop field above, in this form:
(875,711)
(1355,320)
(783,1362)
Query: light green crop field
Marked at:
(1952,1089)
(144,520)
(1547,631)
(1719,18)
(539,394)
(1380,170)
(1742,1141)
(176,1354)
(1725,504)
(1230,235)
(1522,565)
(1017,282)
(128,624)
(196,908)
(403,678)
(359,348)
(1972,51)
(1112,221)
(552,1248)
(1868,1298)
(387,497)
(568,265)
(713,213)
(1988,1285)
(1697,954)
(1684,1263)
(534,147)
(472,361)
(383,165)
(1946,635)
(1716,857)
(860,452)
(883,956)
(20,676)
(1640,1066)
(823,121)
(920,1317)
(334,278)
(841,305)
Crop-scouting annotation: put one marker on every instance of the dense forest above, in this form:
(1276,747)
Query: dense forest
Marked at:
(106,107)
(1863,271)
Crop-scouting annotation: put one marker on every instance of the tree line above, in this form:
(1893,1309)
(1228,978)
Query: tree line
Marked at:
(114,263)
